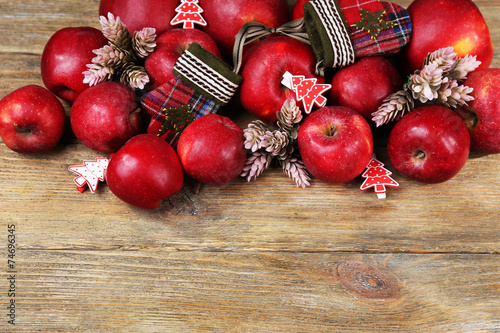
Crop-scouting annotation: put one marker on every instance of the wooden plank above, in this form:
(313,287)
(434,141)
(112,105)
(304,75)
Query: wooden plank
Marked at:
(158,291)
(247,257)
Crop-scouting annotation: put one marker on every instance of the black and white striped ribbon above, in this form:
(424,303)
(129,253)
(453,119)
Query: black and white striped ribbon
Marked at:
(333,24)
(253,31)
(205,77)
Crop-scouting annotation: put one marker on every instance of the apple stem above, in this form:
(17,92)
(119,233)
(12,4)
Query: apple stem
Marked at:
(332,130)
(420,154)
(26,130)
(472,121)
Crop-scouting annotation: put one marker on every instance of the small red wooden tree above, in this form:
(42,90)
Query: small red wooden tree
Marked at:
(377,177)
(188,13)
(306,90)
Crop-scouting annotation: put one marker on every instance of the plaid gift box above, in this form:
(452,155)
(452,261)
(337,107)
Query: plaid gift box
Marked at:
(341,30)
(203,84)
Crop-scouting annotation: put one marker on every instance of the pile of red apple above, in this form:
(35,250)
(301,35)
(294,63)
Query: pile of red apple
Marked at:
(430,144)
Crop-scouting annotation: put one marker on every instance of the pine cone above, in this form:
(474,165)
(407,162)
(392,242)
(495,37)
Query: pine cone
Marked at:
(116,31)
(110,56)
(462,67)
(143,42)
(393,108)
(277,143)
(97,73)
(255,165)
(289,116)
(296,170)
(452,95)
(134,76)
(444,58)
(253,135)
(424,84)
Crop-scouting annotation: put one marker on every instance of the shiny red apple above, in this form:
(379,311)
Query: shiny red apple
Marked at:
(441,23)
(144,171)
(261,92)
(335,143)
(482,115)
(430,144)
(211,150)
(169,47)
(31,120)
(65,58)
(226,17)
(364,85)
(105,116)
(298,9)
(141,14)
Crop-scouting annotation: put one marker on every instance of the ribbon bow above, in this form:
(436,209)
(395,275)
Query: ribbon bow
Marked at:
(252,31)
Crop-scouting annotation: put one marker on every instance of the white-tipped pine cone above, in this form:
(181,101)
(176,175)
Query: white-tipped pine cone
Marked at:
(425,84)
(289,116)
(278,144)
(143,42)
(253,134)
(116,31)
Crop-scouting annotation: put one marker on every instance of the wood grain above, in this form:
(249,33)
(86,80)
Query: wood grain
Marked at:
(263,256)
(158,291)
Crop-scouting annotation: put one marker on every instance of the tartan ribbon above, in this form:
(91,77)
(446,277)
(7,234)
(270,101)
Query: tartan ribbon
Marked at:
(252,31)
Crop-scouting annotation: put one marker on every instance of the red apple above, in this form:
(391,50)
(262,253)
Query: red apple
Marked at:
(31,120)
(226,17)
(430,144)
(298,9)
(482,115)
(169,47)
(211,150)
(105,116)
(144,171)
(335,143)
(141,14)
(364,85)
(442,23)
(261,92)
(65,58)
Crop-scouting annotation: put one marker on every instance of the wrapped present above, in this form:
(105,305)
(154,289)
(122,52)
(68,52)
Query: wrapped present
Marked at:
(203,84)
(341,30)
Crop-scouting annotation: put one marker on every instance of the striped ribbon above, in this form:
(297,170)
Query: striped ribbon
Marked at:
(332,40)
(203,76)
(253,31)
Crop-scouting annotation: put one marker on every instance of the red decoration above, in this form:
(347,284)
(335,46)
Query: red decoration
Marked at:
(306,90)
(90,174)
(377,177)
(188,13)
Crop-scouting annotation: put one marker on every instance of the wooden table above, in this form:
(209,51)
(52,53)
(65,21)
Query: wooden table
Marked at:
(248,257)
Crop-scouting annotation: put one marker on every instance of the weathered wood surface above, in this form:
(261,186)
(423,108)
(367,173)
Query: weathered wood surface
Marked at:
(248,257)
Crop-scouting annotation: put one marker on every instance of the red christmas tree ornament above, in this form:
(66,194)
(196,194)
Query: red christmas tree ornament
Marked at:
(377,177)
(189,14)
(306,90)
(90,173)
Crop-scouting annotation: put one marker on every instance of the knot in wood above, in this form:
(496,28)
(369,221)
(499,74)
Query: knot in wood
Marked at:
(370,282)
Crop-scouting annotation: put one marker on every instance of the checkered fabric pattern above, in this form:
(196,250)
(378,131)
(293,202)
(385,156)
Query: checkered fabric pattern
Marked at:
(176,93)
(173,94)
(388,41)
(342,30)
(203,83)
